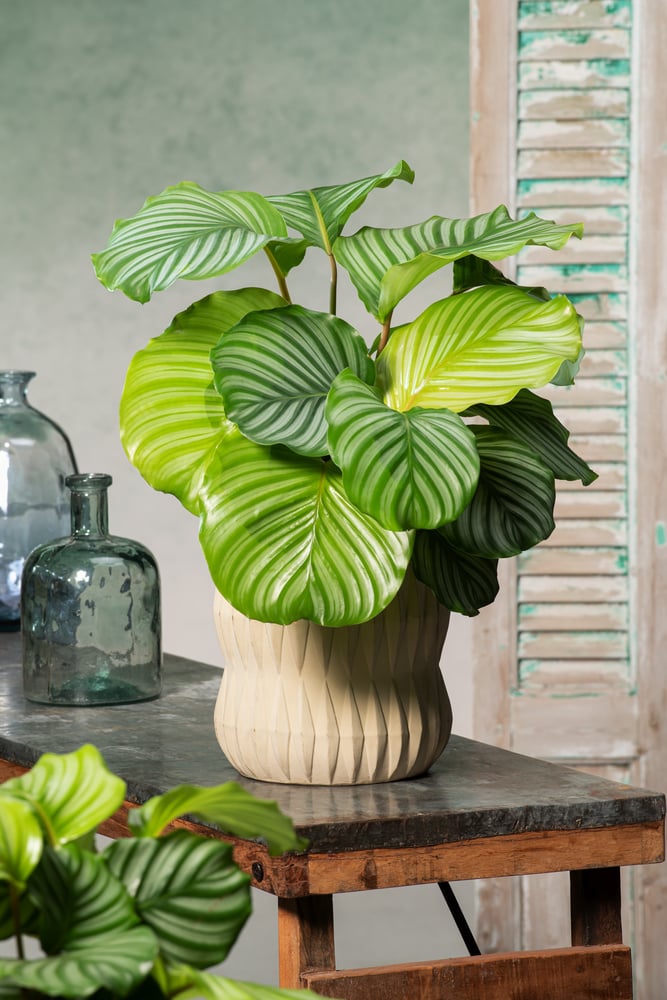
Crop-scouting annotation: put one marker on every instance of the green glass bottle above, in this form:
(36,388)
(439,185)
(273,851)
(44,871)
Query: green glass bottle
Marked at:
(90,611)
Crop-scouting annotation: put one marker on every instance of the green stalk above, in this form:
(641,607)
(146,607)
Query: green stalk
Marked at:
(329,252)
(384,336)
(15,902)
(282,284)
(333,285)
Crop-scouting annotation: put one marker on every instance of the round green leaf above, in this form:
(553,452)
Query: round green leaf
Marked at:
(188,890)
(462,582)
(408,470)
(21,840)
(479,347)
(73,792)
(283,541)
(185,232)
(512,509)
(171,416)
(274,370)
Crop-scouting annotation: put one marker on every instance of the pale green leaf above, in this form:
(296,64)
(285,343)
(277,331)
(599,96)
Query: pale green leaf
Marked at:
(385,264)
(512,509)
(274,369)
(320,214)
(408,470)
(185,232)
(190,984)
(72,792)
(479,347)
(188,890)
(172,418)
(462,582)
(229,806)
(283,541)
(21,839)
(531,419)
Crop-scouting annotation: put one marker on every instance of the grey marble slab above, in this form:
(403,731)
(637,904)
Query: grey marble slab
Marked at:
(474,790)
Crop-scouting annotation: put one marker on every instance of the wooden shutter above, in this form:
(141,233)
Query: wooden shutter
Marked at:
(569,120)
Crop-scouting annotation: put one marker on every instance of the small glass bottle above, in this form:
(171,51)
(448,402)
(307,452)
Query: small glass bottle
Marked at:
(35,458)
(90,611)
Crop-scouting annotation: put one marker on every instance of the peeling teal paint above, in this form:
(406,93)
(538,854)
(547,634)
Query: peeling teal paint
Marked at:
(622,562)
(527,39)
(575,694)
(660,533)
(534,8)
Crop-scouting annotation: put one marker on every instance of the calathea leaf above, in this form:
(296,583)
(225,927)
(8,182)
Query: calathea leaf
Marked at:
(531,419)
(188,890)
(283,541)
(287,253)
(229,806)
(385,264)
(480,347)
(319,214)
(190,984)
(473,272)
(185,232)
(171,416)
(417,469)
(21,840)
(462,582)
(73,792)
(274,369)
(512,508)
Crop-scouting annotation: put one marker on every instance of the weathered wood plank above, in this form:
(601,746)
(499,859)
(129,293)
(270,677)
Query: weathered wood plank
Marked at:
(569,678)
(572,192)
(559,616)
(305,937)
(543,561)
(570,105)
(574,43)
(552,588)
(543,163)
(606,392)
(581,726)
(589,250)
(595,973)
(600,447)
(598,363)
(596,503)
(595,906)
(576,278)
(596,420)
(573,74)
(571,645)
(580,134)
(543,14)
(588,531)
(611,476)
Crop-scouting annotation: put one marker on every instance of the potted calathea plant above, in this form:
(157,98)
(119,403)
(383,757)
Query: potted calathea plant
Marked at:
(350,497)
(146,916)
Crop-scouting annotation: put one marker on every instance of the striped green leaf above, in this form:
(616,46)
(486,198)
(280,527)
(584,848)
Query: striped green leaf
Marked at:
(320,214)
(190,984)
(512,508)
(416,469)
(172,418)
(188,890)
(462,582)
(473,272)
(72,793)
(185,232)
(283,541)
(229,806)
(286,253)
(385,264)
(480,347)
(274,369)
(531,419)
(21,840)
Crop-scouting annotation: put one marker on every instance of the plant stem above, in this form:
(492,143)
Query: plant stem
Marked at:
(15,903)
(333,285)
(384,336)
(280,277)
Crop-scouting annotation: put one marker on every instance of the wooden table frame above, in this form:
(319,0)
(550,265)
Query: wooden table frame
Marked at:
(481,813)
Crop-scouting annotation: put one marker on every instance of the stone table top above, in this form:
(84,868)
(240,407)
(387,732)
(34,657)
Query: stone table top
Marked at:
(474,790)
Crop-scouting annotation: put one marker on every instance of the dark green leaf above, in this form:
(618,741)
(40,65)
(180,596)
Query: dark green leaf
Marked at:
(473,272)
(462,582)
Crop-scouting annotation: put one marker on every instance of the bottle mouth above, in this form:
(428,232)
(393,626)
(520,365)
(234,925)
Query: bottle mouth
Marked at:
(88,481)
(15,375)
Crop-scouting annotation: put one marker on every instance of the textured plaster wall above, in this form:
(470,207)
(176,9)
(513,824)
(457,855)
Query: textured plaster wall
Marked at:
(104,103)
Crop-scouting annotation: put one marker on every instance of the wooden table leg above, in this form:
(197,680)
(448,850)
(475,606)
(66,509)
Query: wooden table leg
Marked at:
(305,938)
(595,906)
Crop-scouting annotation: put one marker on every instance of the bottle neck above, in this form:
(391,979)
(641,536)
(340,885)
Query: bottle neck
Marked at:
(14,387)
(89,505)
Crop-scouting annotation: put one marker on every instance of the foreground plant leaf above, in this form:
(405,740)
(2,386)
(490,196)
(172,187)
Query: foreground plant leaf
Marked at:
(229,806)
(188,890)
(512,508)
(385,264)
(73,792)
(185,232)
(408,470)
(21,840)
(463,583)
(189,984)
(283,542)
(480,347)
(531,419)
(171,416)
(274,369)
